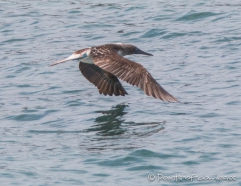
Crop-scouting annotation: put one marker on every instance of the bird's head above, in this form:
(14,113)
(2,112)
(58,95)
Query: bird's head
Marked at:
(79,54)
(127,49)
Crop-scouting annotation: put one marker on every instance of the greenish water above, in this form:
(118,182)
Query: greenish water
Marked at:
(57,130)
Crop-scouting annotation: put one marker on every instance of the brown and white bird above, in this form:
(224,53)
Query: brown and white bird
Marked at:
(103,65)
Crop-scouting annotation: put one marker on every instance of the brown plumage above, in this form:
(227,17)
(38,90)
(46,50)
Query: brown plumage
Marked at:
(133,73)
(104,81)
(103,65)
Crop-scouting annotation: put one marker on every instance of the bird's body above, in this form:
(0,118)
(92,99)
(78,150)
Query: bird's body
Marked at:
(103,65)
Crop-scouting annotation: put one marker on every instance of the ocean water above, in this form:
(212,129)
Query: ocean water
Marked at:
(56,129)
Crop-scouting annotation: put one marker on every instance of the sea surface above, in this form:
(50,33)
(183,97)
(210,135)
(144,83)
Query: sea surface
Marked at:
(57,130)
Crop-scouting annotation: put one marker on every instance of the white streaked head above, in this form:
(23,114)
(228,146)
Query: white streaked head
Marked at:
(75,55)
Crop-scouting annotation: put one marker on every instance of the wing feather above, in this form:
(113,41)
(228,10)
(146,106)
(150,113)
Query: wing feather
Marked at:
(133,73)
(106,82)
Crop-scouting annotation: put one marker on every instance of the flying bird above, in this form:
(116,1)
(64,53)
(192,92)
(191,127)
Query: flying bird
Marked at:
(103,65)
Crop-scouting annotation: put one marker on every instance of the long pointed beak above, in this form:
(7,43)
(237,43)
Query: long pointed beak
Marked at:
(73,56)
(142,52)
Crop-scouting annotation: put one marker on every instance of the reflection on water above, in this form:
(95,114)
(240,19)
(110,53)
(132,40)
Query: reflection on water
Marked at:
(112,132)
(111,123)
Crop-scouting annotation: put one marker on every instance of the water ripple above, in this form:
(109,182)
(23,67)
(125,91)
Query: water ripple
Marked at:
(57,130)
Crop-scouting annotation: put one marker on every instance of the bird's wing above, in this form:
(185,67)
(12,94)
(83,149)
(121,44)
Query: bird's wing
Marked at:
(133,73)
(106,82)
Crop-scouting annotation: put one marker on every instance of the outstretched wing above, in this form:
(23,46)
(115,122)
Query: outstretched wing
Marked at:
(133,73)
(106,82)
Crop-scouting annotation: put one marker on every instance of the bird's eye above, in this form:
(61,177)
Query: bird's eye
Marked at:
(84,55)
